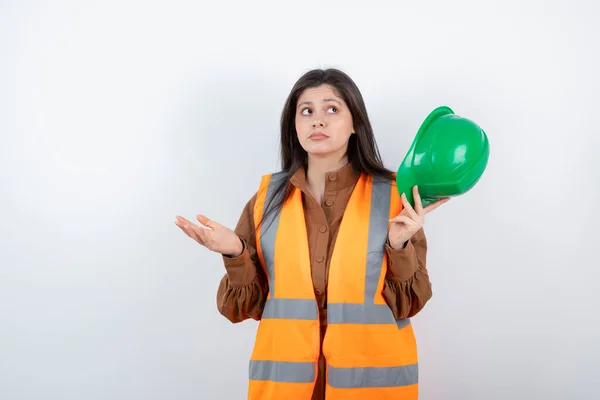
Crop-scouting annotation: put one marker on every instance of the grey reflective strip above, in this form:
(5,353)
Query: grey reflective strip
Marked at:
(403,322)
(378,229)
(290,309)
(348,313)
(372,377)
(276,308)
(280,371)
(369,312)
(268,229)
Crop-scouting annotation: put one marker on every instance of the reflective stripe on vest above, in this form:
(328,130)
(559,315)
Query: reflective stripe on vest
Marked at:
(369,353)
(284,360)
(361,327)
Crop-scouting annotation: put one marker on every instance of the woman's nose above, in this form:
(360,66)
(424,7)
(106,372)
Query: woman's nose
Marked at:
(317,123)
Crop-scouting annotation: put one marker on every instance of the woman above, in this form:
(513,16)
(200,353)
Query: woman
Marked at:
(327,256)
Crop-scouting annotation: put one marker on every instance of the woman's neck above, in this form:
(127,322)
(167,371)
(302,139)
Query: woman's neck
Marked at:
(315,174)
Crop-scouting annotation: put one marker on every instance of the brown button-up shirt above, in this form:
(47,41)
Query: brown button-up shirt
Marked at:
(243,290)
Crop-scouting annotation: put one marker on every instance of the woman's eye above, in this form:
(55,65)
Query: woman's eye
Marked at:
(306,111)
(332,108)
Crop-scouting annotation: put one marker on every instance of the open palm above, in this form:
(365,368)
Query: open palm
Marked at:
(212,235)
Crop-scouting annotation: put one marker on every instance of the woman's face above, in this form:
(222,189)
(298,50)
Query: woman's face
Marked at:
(323,122)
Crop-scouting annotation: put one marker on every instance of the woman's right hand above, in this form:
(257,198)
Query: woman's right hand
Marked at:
(212,235)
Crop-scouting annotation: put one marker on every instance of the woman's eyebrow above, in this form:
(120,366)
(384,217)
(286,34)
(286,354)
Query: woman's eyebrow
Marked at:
(324,100)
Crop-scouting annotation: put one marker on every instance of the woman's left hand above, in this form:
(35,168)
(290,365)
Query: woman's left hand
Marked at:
(410,220)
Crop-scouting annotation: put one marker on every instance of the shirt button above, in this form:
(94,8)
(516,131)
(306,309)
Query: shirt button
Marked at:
(332,177)
(323,229)
(329,202)
(320,259)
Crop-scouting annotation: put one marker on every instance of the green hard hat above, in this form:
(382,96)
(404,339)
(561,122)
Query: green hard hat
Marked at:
(447,157)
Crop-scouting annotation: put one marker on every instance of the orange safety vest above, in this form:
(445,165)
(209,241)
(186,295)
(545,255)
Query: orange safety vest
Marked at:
(369,354)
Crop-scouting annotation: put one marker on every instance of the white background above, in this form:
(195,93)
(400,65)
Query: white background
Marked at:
(115,116)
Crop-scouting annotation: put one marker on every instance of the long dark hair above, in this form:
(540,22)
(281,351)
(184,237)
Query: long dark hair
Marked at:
(362,153)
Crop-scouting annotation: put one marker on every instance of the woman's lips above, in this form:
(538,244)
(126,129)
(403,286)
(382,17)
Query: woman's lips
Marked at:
(318,136)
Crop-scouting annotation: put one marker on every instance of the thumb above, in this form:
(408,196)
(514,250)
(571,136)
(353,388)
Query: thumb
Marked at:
(206,221)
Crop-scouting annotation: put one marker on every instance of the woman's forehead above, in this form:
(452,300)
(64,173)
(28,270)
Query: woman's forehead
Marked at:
(320,93)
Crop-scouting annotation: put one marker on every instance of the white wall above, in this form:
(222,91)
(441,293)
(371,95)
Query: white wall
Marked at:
(115,116)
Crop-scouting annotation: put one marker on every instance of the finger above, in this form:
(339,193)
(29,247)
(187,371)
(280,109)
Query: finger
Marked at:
(190,229)
(418,203)
(407,207)
(202,234)
(206,221)
(181,224)
(430,207)
(182,228)
(195,235)
(181,220)
(402,219)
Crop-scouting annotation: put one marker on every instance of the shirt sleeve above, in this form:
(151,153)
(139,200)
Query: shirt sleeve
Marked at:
(407,288)
(243,290)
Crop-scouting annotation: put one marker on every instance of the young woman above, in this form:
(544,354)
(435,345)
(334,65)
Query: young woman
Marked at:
(327,256)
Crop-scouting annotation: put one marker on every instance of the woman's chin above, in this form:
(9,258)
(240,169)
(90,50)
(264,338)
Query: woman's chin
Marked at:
(320,152)
(320,149)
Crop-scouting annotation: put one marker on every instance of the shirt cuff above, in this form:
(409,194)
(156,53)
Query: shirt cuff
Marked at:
(240,270)
(402,263)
